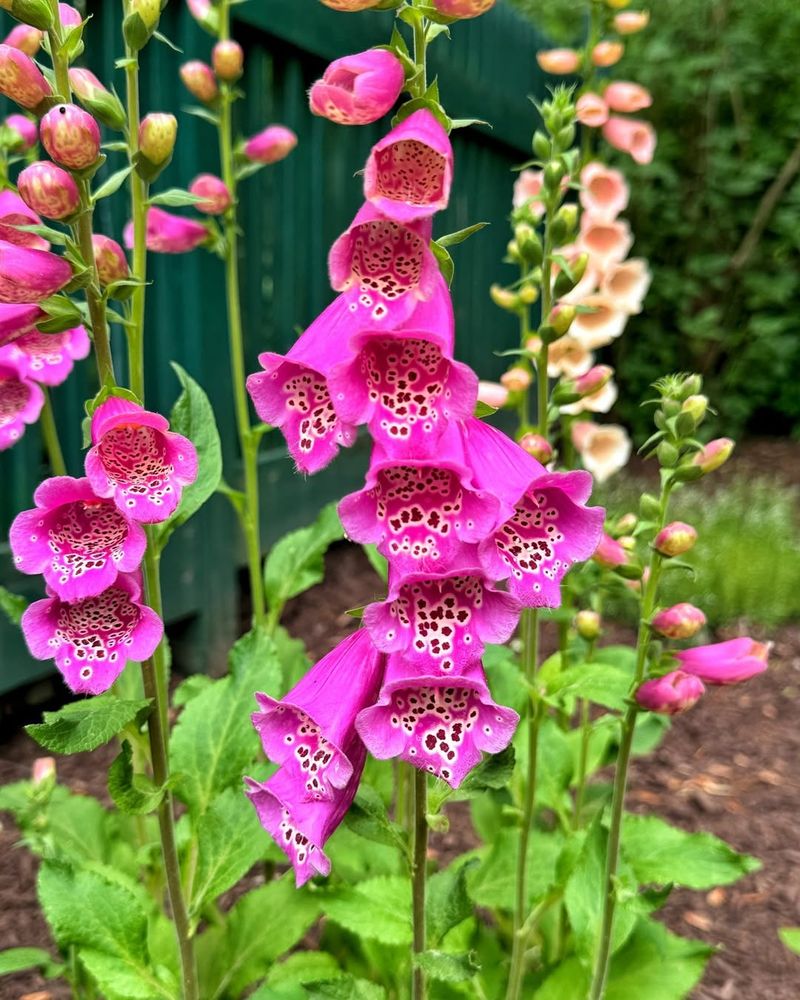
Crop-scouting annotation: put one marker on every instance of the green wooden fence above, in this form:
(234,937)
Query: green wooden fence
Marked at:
(292,212)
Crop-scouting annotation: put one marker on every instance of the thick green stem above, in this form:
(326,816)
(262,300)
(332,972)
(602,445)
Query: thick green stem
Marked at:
(419,872)
(589,71)
(139,193)
(94,297)
(47,421)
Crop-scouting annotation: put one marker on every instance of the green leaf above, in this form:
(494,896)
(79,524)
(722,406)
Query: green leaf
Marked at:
(87,724)
(444,260)
(212,742)
(656,964)
(56,236)
(493,772)
(569,981)
(296,562)
(597,682)
(493,883)
(303,967)
(112,184)
(377,561)
(377,909)
(452,239)
(229,842)
(447,968)
(20,959)
(190,688)
(12,605)
(174,198)
(447,902)
(203,113)
(159,37)
(133,794)
(661,853)
(367,817)
(789,935)
(483,410)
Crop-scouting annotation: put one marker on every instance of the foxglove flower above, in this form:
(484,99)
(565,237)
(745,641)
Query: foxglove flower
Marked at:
(18,319)
(599,401)
(725,662)
(438,724)
(549,528)
(78,541)
(214,192)
(675,539)
(409,171)
(109,259)
(627,97)
(71,136)
(30,275)
(50,190)
(602,323)
(420,512)
(668,695)
(138,461)
(21,79)
(293,390)
(625,285)
(607,53)
(299,826)
(681,621)
(168,233)
(629,22)
(26,129)
(631,135)
(384,268)
(493,394)
(604,191)
(591,110)
(307,730)
(609,553)
(527,189)
(463,8)
(439,622)
(15,212)
(21,402)
(358,89)
(607,241)
(47,358)
(559,61)
(198,78)
(604,448)
(26,38)
(271,145)
(93,639)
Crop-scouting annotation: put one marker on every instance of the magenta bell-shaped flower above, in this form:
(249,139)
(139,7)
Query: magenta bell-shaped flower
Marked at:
(725,662)
(272,144)
(30,275)
(71,136)
(26,38)
(670,694)
(18,319)
(14,212)
(20,78)
(463,8)
(214,192)
(21,402)
(47,358)
(168,233)
(358,89)
(49,190)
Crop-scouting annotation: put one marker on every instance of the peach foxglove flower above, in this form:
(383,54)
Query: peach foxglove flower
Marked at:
(591,110)
(675,539)
(626,97)
(493,394)
(604,191)
(629,22)
(607,53)
(109,259)
(631,135)
(604,449)
(625,284)
(198,78)
(607,241)
(527,188)
(599,401)
(568,356)
(463,8)
(26,38)
(559,61)
(603,324)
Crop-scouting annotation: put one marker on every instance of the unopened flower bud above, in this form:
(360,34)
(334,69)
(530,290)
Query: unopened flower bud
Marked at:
(205,13)
(350,5)
(463,8)
(528,293)
(516,379)
(20,78)
(538,447)
(530,246)
(37,13)
(513,251)
(626,524)
(71,136)
(609,553)
(632,21)
(157,134)
(49,190)
(553,172)
(25,38)
(26,129)
(607,53)
(274,143)
(559,61)
(695,407)
(618,4)
(44,769)
(560,319)
(104,105)
(141,22)
(667,454)
(109,259)
(504,298)
(214,192)
(541,145)
(715,454)
(594,380)
(675,539)
(198,78)
(227,57)
(69,16)
(681,621)
(670,694)
(587,624)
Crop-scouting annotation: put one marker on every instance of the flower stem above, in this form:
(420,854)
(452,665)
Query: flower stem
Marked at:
(50,434)
(419,872)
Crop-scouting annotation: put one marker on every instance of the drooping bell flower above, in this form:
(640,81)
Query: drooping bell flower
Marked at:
(463,8)
(384,268)
(358,89)
(349,6)
(307,730)
(632,136)
(627,97)
(48,358)
(727,662)
(299,826)
(272,144)
(21,402)
(93,639)
(629,22)
(18,319)
(591,110)
(625,284)
(603,321)
(28,275)
(409,172)
(527,189)
(713,455)
(26,129)
(567,356)
(439,622)
(605,240)
(437,724)
(559,61)
(421,513)
(169,233)
(549,527)
(49,190)
(15,212)
(20,78)
(516,379)
(293,391)
(604,191)
(604,448)
(492,394)
(668,695)
(405,384)
(26,38)
(136,460)
(599,401)
(78,541)
(607,53)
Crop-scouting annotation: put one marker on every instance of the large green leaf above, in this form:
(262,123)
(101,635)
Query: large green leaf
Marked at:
(296,562)
(598,682)
(493,883)
(656,964)
(20,959)
(447,902)
(12,605)
(661,853)
(303,967)
(132,793)
(87,724)
(378,909)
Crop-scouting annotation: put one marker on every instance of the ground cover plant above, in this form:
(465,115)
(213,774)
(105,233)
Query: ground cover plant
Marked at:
(343,771)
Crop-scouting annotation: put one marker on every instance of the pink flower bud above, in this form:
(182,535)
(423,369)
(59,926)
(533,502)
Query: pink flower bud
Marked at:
(591,110)
(274,143)
(71,136)
(627,97)
(69,16)
(216,196)
(15,212)
(537,446)
(25,38)
(350,5)
(629,22)
(670,694)
(31,275)
(492,394)
(27,130)
(96,98)
(675,539)
(715,454)
(516,379)
(587,624)
(631,135)
(227,57)
(48,190)
(607,53)
(358,89)
(20,78)
(157,134)
(168,233)
(609,553)
(463,8)
(559,61)
(681,621)
(43,768)
(725,662)
(198,78)
(205,13)
(594,380)
(109,259)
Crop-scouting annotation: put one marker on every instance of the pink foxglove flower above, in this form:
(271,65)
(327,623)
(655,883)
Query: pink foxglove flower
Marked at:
(69,16)
(28,276)
(675,539)
(527,188)
(293,390)
(384,268)
(549,526)
(21,402)
(77,540)
(26,129)
(49,190)
(438,724)
(604,191)
(605,240)
(109,259)
(607,53)
(629,22)
(681,621)
(559,61)
(71,136)
(93,639)
(15,212)
(626,284)
(138,461)
(627,97)
(725,662)
(420,512)
(307,731)
(516,379)
(214,192)
(272,144)
(463,8)
(604,448)
(632,136)
(18,319)
(168,233)
(409,171)
(609,553)
(493,394)
(301,826)
(591,110)
(673,693)
(26,38)
(48,358)
(537,447)
(605,322)
(439,622)
(358,89)
(20,78)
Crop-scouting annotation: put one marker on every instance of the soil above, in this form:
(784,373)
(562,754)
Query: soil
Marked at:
(728,767)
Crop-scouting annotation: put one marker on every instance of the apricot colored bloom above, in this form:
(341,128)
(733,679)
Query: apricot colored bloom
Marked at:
(492,394)
(559,61)
(631,135)
(604,191)
(625,284)
(604,449)
(607,241)
(358,89)
(591,110)
(599,401)
(627,97)
(26,38)
(21,402)
(603,324)
(463,8)
(607,53)
(629,22)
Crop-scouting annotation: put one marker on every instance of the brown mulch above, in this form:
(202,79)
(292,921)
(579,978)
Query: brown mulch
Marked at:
(728,766)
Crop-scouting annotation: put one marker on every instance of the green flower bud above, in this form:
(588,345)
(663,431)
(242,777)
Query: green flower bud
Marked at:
(587,624)
(553,172)
(504,298)
(649,507)
(37,13)
(668,454)
(529,244)
(541,145)
(529,293)
(141,22)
